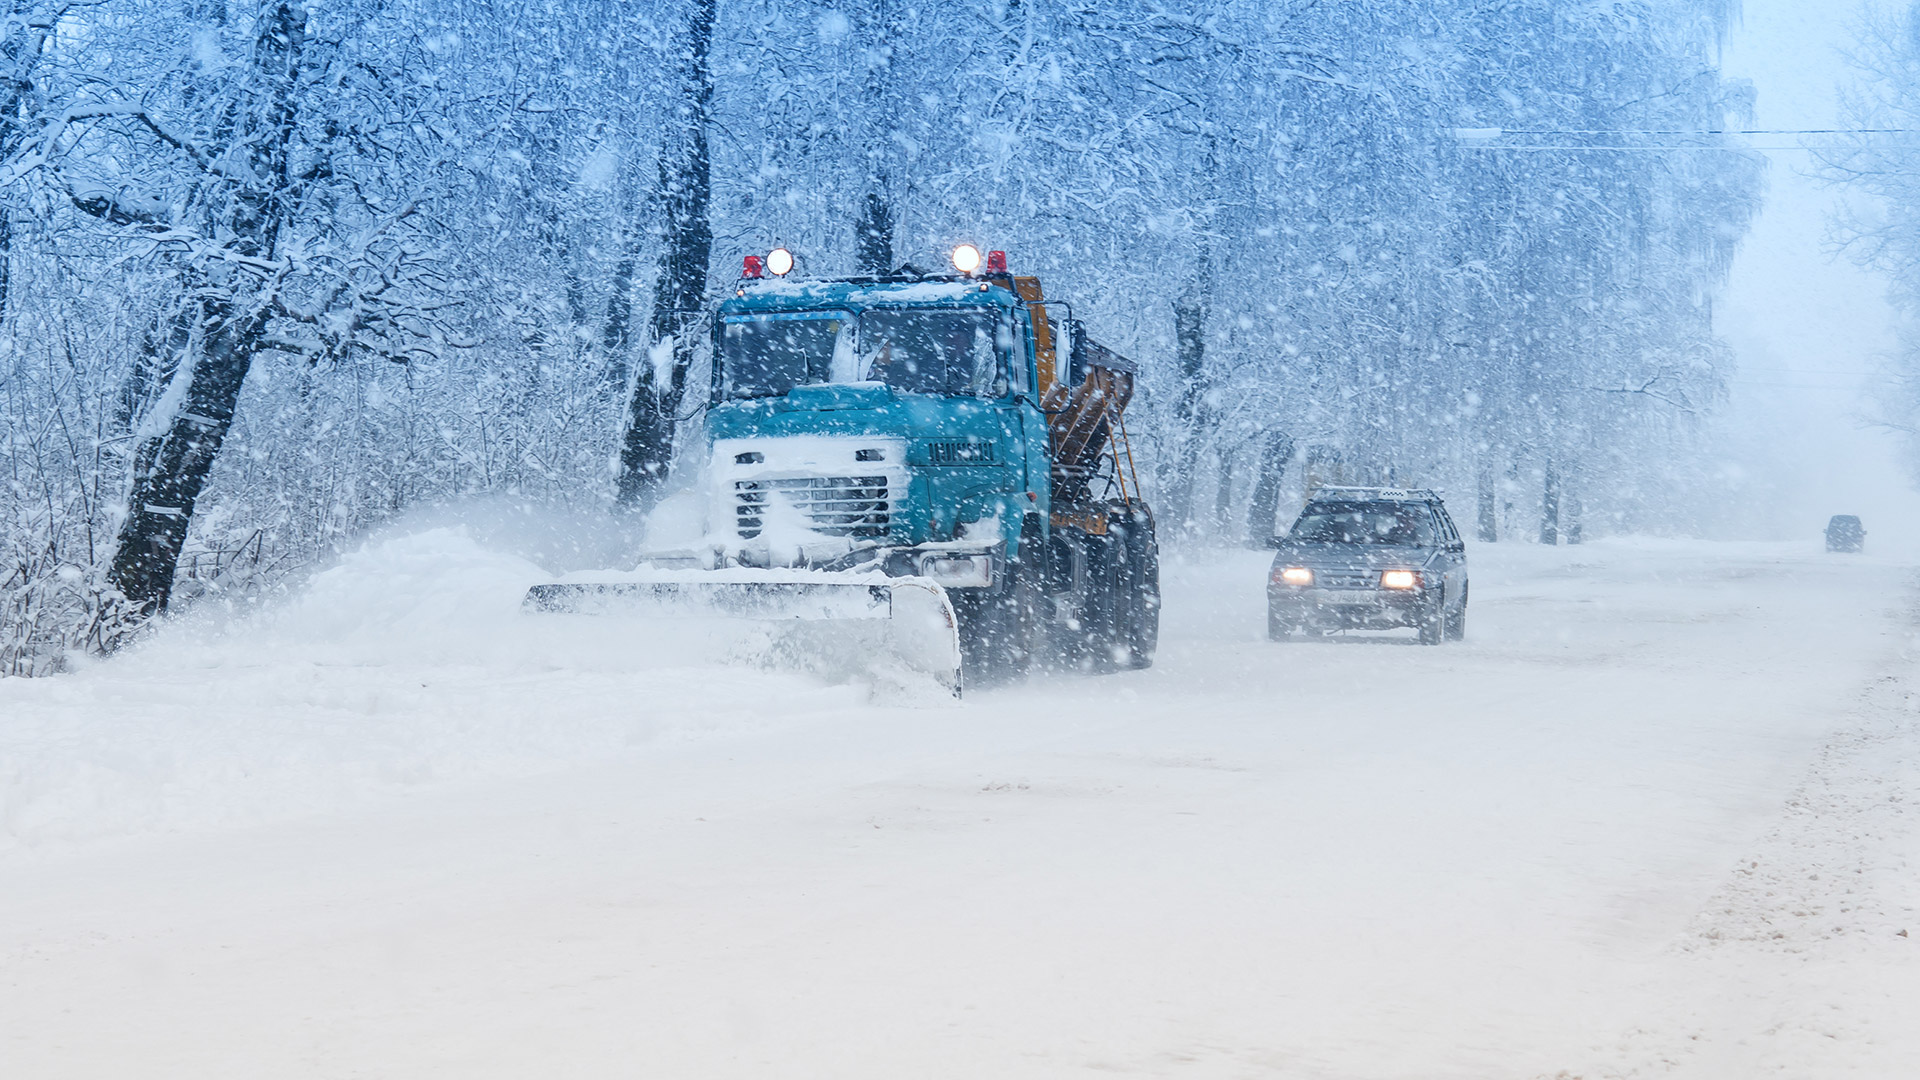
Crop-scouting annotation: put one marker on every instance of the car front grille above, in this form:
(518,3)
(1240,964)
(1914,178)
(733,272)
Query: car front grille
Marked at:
(1347,579)
(853,506)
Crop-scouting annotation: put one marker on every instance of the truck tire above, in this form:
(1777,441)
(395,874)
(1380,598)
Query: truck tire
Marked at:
(1092,593)
(997,628)
(1074,591)
(1107,609)
(1140,622)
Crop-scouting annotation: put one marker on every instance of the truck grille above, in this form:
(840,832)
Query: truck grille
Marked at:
(960,453)
(854,506)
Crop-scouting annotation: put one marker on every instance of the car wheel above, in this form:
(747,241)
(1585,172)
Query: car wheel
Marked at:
(1433,625)
(1457,623)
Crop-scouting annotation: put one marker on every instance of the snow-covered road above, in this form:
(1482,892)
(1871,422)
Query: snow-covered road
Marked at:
(1657,816)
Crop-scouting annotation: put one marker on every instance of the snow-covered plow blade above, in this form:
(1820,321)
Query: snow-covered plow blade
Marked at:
(911,619)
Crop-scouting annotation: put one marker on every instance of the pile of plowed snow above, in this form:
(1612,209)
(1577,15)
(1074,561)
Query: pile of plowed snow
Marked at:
(409,662)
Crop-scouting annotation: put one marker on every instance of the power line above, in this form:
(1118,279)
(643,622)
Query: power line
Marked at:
(1483,138)
(1738,383)
(1663,149)
(1495,133)
(1742,366)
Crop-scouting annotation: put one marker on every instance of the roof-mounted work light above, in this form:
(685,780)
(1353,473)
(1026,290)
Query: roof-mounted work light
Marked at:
(780,261)
(966,258)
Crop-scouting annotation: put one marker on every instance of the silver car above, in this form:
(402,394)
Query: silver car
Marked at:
(1370,559)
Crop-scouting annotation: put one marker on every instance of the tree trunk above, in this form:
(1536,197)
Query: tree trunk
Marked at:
(20,51)
(617,330)
(6,257)
(1190,349)
(1264,510)
(1489,507)
(684,197)
(873,236)
(881,32)
(1573,519)
(1193,406)
(1550,506)
(1223,494)
(174,465)
(162,348)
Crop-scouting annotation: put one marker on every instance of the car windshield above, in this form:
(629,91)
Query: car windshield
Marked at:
(933,352)
(768,355)
(1401,524)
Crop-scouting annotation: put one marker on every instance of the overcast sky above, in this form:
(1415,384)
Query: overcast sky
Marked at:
(1807,326)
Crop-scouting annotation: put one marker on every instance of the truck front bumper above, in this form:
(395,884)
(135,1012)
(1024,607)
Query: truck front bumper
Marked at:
(954,564)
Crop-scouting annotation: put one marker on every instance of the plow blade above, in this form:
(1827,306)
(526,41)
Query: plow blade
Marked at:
(914,617)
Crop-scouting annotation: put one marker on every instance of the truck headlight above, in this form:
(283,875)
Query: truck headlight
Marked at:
(974,571)
(1399,579)
(1294,575)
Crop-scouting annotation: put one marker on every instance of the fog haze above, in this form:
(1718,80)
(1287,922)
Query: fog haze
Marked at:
(1809,327)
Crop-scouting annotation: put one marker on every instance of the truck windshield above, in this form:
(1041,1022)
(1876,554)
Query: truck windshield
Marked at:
(934,352)
(919,350)
(768,355)
(1397,523)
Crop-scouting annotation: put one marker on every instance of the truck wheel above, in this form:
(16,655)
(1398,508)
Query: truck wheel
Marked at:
(1108,614)
(996,629)
(1140,612)
(1080,600)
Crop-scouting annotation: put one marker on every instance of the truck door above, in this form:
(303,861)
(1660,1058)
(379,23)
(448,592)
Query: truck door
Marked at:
(1025,425)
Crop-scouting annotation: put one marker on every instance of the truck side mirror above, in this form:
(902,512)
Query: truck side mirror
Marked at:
(1076,354)
(1275,541)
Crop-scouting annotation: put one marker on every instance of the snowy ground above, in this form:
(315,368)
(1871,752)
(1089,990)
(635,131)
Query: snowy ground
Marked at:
(1657,816)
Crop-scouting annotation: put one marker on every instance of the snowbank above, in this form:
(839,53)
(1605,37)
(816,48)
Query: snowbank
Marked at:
(407,663)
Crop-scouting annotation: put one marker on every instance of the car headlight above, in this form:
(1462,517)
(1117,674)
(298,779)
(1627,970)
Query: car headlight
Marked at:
(1294,575)
(1399,579)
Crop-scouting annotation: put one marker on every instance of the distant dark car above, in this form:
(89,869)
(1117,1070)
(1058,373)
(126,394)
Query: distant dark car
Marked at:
(1370,559)
(1844,533)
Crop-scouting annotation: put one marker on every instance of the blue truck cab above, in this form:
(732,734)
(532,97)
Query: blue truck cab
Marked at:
(926,426)
(855,422)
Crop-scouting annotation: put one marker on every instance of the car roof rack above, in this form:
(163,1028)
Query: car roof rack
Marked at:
(1384,494)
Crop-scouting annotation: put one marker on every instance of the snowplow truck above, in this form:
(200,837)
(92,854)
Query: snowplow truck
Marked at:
(944,452)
